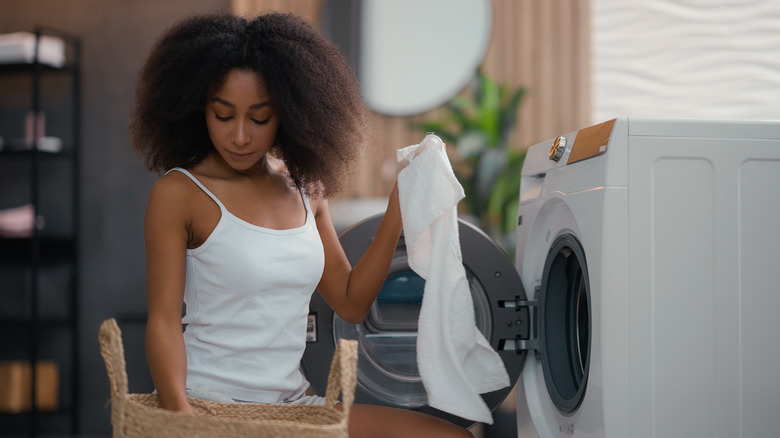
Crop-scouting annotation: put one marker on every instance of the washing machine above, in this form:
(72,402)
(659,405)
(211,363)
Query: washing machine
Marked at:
(648,252)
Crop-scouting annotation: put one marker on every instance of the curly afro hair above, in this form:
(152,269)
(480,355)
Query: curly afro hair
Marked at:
(322,116)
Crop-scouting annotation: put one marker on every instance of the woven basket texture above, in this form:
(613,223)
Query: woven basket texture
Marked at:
(140,415)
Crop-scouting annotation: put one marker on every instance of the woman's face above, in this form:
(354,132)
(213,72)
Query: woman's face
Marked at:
(241,119)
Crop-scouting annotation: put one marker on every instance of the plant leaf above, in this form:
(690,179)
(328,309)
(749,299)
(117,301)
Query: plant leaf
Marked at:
(509,116)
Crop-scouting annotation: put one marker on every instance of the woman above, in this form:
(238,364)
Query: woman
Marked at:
(255,122)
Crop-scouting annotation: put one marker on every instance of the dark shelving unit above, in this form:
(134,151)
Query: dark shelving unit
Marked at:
(40,316)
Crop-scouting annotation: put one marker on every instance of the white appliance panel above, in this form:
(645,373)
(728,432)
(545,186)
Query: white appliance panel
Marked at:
(758,295)
(686,257)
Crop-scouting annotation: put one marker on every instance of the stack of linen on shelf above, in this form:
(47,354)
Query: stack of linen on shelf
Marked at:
(19,48)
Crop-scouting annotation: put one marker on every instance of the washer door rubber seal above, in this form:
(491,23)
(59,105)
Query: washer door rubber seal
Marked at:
(565,323)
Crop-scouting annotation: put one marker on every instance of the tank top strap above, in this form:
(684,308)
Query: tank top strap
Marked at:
(306,202)
(200,184)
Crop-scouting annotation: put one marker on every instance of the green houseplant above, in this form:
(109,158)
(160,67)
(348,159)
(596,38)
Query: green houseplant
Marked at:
(478,123)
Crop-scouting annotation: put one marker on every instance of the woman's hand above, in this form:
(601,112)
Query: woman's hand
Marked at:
(409,153)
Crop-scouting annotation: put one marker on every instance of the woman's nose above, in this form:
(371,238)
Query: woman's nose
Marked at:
(241,134)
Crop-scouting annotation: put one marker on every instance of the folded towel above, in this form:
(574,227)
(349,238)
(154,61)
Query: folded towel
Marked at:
(19,221)
(455,361)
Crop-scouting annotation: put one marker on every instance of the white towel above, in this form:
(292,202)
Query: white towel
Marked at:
(455,361)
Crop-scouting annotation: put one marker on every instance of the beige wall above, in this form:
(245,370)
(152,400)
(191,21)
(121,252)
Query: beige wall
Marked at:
(308,9)
(542,46)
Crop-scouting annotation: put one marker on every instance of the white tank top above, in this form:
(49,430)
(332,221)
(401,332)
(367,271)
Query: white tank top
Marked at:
(247,296)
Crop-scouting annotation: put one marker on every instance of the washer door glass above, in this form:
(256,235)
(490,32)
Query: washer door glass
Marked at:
(387,364)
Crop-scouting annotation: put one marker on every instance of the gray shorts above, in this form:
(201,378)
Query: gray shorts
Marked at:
(204,393)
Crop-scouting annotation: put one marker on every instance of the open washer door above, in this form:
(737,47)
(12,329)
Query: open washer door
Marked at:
(387,365)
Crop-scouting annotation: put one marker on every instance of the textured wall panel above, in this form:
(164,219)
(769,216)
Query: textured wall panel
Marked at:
(686,58)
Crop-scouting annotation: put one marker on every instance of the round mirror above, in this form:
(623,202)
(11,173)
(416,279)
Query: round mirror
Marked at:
(410,55)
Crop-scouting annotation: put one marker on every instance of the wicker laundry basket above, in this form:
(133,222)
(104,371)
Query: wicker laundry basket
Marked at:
(140,415)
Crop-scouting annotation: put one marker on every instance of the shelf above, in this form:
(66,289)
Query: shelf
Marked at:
(61,411)
(66,152)
(21,323)
(19,251)
(30,67)
(39,289)
(46,422)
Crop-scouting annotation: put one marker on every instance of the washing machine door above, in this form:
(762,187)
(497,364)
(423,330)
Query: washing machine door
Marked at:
(387,364)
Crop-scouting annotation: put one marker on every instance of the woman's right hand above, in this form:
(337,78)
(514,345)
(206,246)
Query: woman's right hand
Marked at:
(186,408)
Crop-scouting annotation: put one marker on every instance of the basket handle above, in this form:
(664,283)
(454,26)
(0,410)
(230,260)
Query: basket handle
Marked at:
(343,375)
(113,353)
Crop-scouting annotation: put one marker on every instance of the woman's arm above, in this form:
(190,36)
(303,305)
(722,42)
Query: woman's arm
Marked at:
(351,291)
(166,234)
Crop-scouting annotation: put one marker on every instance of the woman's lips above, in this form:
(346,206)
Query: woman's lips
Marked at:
(240,154)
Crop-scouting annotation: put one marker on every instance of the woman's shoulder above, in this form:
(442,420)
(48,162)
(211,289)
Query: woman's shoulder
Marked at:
(173,190)
(173,182)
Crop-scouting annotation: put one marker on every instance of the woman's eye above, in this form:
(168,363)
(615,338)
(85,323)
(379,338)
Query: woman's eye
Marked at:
(230,117)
